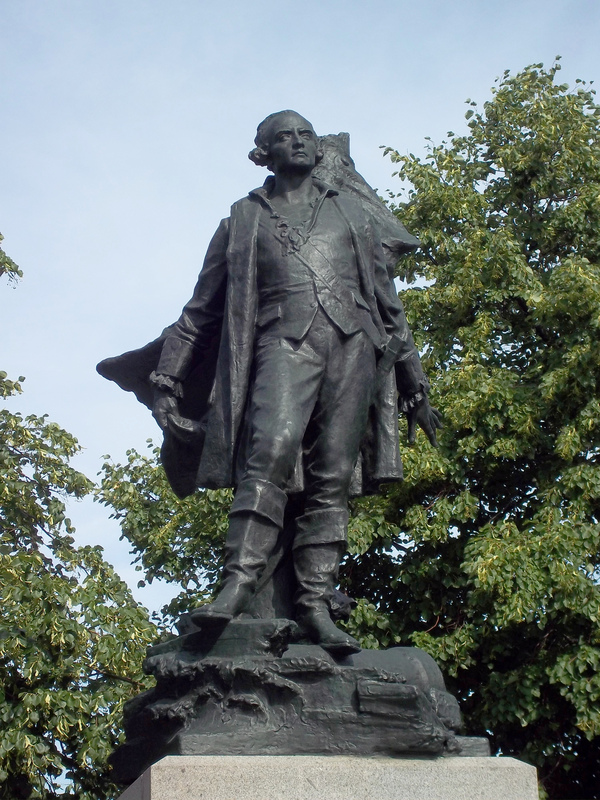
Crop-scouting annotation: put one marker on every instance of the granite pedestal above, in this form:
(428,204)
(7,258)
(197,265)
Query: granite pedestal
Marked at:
(334,778)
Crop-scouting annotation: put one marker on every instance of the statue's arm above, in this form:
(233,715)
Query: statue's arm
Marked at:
(202,316)
(411,381)
(200,322)
(410,377)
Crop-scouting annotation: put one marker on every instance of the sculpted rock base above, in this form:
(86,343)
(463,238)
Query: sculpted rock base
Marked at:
(248,689)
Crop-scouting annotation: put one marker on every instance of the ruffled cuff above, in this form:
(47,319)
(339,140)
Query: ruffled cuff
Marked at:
(167,384)
(408,402)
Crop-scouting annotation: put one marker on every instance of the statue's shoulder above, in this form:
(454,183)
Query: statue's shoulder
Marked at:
(352,208)
(247,204)
(243,202)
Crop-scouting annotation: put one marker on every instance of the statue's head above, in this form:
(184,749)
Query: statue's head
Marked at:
(292,134)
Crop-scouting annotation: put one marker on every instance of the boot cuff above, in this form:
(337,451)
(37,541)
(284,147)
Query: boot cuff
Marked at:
(323,526)
(262,498)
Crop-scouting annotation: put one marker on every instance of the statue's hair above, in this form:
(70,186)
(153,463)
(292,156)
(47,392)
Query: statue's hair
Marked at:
(260,154)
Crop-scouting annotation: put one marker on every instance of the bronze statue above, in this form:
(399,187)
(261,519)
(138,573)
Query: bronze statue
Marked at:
(283,378)
(285,372)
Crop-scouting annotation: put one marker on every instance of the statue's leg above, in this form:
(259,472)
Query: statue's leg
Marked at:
(275,590)
(255,520)
(332,446)
(318,547)
(282,397)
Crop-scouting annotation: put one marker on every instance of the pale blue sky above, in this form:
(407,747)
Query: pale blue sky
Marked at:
(124,138)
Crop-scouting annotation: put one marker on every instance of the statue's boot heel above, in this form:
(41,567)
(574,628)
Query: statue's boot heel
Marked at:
(321,630)
(316,569)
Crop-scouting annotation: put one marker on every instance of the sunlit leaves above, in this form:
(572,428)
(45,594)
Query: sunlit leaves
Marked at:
(71,636)
(177,540)
(8,266)
(509,320)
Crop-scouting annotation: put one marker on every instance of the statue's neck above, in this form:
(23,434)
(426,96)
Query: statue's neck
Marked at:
(293,189)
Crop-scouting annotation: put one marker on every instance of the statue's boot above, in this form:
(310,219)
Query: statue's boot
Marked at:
(255,520)
(316,566)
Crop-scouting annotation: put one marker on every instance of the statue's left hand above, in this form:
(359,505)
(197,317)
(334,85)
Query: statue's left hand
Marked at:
(164,404)
(427,418)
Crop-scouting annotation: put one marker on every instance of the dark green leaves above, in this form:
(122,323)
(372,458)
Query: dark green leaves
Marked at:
(72,638)
(176,540)
(495,564)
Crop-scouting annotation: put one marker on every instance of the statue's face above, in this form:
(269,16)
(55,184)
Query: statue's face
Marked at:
(292,143)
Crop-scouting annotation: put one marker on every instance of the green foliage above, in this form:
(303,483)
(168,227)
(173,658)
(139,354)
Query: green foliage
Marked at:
(179,541)
(71,636)
(488,554)
(494,570)
(8,266)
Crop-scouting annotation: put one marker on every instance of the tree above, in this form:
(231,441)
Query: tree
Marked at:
(72,638)
(488,554)
(8,266)
(495,569)
(179,541)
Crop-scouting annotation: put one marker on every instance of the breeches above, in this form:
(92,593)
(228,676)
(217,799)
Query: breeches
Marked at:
(312,395)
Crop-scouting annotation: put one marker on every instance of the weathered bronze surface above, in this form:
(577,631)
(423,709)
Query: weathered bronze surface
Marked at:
(249,690)
(283,378)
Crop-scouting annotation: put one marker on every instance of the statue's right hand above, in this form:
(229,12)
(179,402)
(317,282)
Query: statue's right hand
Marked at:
(164,404)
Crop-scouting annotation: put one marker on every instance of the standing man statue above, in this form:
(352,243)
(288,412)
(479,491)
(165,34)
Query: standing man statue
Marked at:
(283,376)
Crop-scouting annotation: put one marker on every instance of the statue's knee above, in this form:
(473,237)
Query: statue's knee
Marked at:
(274,461)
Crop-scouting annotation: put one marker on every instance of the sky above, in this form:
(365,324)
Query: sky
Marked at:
(125,131)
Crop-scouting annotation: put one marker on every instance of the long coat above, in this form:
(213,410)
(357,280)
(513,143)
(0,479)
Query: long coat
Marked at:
(211,348)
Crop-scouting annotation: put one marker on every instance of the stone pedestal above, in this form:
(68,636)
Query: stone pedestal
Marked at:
(334,778)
